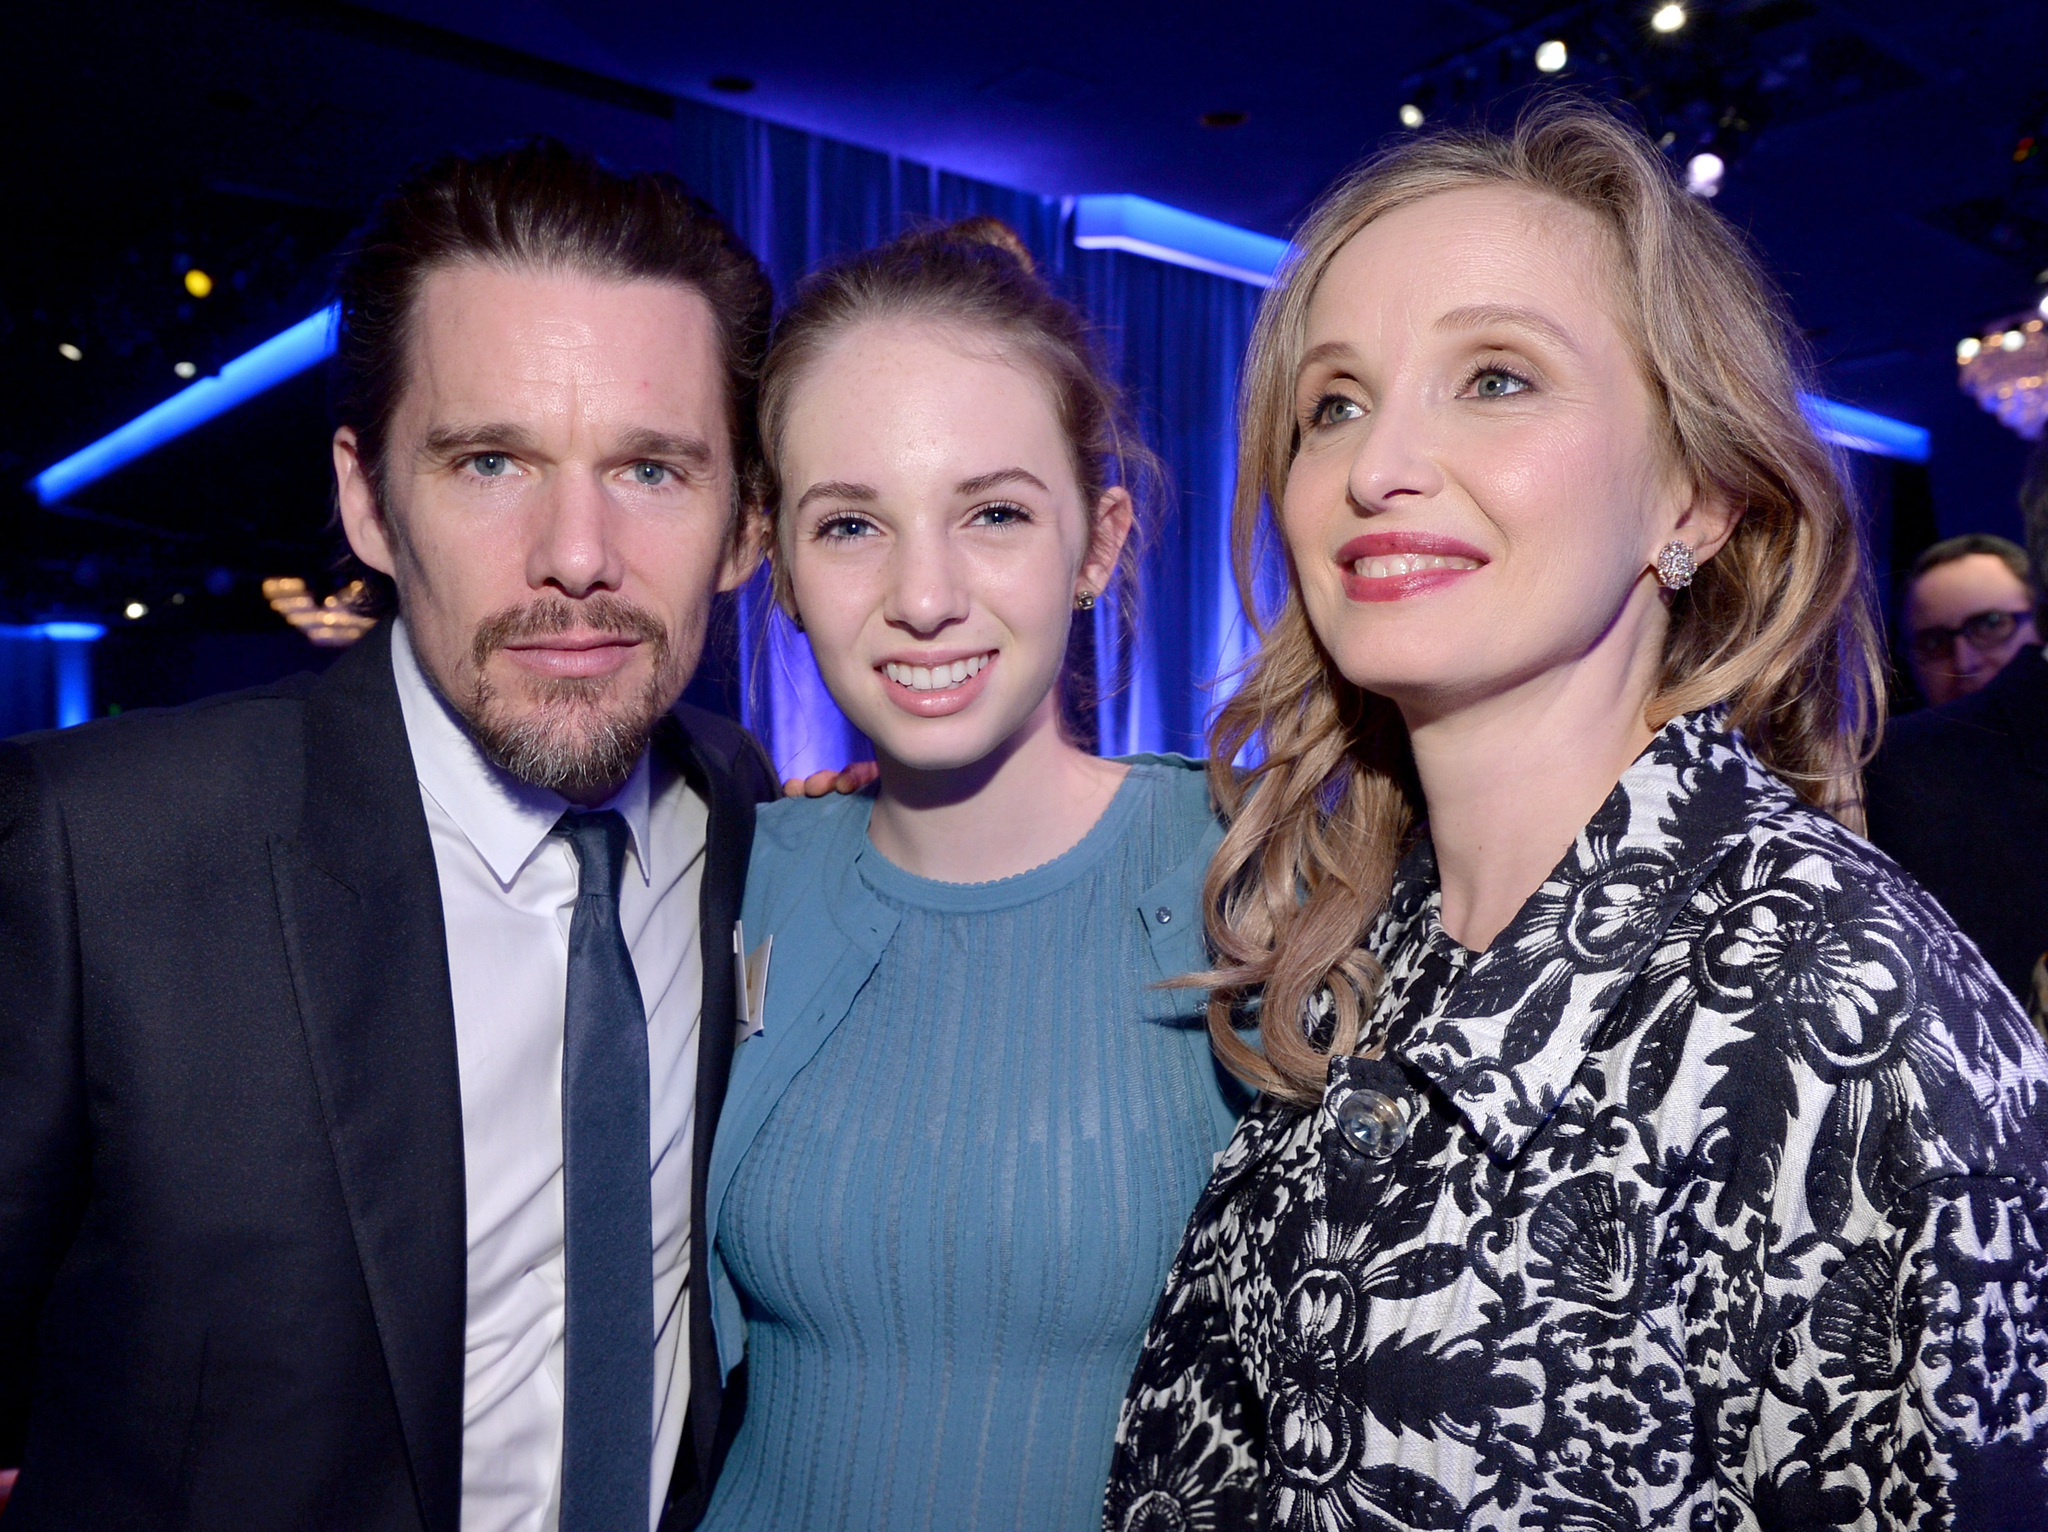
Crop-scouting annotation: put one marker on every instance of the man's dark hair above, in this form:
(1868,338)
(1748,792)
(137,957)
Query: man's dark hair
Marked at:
(541,206)
(1949,549)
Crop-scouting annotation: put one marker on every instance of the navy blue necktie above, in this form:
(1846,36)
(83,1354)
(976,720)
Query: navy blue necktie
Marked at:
(608,1407)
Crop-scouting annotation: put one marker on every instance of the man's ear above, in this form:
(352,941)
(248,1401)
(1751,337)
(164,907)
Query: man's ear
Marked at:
(744,549)
(1114,516)
(362,522)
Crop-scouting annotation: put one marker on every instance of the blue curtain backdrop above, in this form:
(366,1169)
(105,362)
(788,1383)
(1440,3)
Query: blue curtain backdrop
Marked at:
(1173,336)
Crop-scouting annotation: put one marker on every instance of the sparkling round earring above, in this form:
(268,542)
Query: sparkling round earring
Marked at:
(1675,565)
(1084,600)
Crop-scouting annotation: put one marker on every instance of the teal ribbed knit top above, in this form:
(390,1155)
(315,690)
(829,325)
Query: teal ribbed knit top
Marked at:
(949,1232)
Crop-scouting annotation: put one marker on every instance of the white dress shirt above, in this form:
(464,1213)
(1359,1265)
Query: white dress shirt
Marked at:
(508,889)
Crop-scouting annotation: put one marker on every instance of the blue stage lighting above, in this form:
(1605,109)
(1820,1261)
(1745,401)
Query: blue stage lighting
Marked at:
(1110,222)
(283,356)
(1866,431)
(1145,227)
(69,662)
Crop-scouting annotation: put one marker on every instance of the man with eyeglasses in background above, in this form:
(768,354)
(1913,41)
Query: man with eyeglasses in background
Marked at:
(1969,610)
(1959,793)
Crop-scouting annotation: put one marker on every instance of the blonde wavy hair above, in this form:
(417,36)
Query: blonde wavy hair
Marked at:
(1778,625)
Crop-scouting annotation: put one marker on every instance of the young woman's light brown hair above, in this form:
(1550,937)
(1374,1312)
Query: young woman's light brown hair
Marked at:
(1777,626)
(975,276)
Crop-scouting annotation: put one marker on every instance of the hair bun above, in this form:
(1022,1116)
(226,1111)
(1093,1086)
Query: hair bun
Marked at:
(987,229)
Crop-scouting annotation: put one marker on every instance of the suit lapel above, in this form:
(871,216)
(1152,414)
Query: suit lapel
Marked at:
(361,908)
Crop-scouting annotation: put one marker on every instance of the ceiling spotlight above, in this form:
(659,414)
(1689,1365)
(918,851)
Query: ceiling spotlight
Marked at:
(2043,306)
(1668,18)
(1967,348)
(69,352)
(1703,174)
(186,370)
(134,610)
(1411,115)
(2011,340)
(198,283)
(1551,56)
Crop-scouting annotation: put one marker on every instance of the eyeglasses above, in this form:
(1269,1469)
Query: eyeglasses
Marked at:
(1982,631)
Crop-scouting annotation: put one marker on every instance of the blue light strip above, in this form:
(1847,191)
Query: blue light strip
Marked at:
(66,632)
(286,355)
(1865,431)
(1145,227)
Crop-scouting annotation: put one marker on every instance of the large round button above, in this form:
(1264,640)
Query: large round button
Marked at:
(1374,1122)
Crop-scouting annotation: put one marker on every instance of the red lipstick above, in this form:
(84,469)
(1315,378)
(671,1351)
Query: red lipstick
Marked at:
(1408,562)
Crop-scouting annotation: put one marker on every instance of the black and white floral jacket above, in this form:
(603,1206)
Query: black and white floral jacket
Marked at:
(1713,1195)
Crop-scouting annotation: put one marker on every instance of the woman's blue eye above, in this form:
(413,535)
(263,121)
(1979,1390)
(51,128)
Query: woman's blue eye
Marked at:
(1495,384)
(491,465)
(650,475)
(1335,409)
(1001,514)
(842,528)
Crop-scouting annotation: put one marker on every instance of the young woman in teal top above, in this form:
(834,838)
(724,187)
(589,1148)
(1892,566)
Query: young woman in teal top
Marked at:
(955,1160)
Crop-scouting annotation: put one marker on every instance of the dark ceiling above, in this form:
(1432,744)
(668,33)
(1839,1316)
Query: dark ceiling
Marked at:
(1871,147)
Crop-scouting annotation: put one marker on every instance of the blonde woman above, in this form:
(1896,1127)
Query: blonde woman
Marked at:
(1638,1146)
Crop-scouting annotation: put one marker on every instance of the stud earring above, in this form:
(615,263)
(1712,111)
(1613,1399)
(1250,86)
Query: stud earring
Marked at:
(1084,600)
(1675,565)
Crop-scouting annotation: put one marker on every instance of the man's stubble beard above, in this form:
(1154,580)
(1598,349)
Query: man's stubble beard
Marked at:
(568,740)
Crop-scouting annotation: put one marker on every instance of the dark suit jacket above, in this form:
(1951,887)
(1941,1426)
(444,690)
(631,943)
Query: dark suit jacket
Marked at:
(232,1233)
(1959,798)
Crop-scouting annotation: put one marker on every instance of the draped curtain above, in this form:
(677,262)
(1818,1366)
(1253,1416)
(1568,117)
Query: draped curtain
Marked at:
(1173,338)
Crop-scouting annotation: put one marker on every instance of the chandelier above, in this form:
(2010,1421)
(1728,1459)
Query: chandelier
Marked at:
(333,623)
(2006,371)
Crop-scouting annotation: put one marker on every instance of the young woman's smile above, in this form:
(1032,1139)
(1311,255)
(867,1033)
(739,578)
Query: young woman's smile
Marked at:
(937,684)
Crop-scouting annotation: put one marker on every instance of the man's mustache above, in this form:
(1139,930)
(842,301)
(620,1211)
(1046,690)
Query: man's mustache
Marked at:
(611,615)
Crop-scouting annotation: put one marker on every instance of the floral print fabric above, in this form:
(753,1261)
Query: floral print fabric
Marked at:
(1723,1203)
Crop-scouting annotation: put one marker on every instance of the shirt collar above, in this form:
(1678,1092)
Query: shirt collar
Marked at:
(505,819)
(1512,1033)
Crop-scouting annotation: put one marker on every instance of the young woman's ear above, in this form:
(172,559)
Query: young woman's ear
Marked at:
(1114,516)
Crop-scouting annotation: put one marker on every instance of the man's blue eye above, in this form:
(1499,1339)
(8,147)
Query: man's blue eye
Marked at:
(491,465)
(650,474)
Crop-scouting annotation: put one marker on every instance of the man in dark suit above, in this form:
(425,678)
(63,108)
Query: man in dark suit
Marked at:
(1959,794)
(1959,798)
(362,1038)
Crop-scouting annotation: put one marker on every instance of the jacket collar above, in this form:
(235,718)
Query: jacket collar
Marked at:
(1513,1031)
